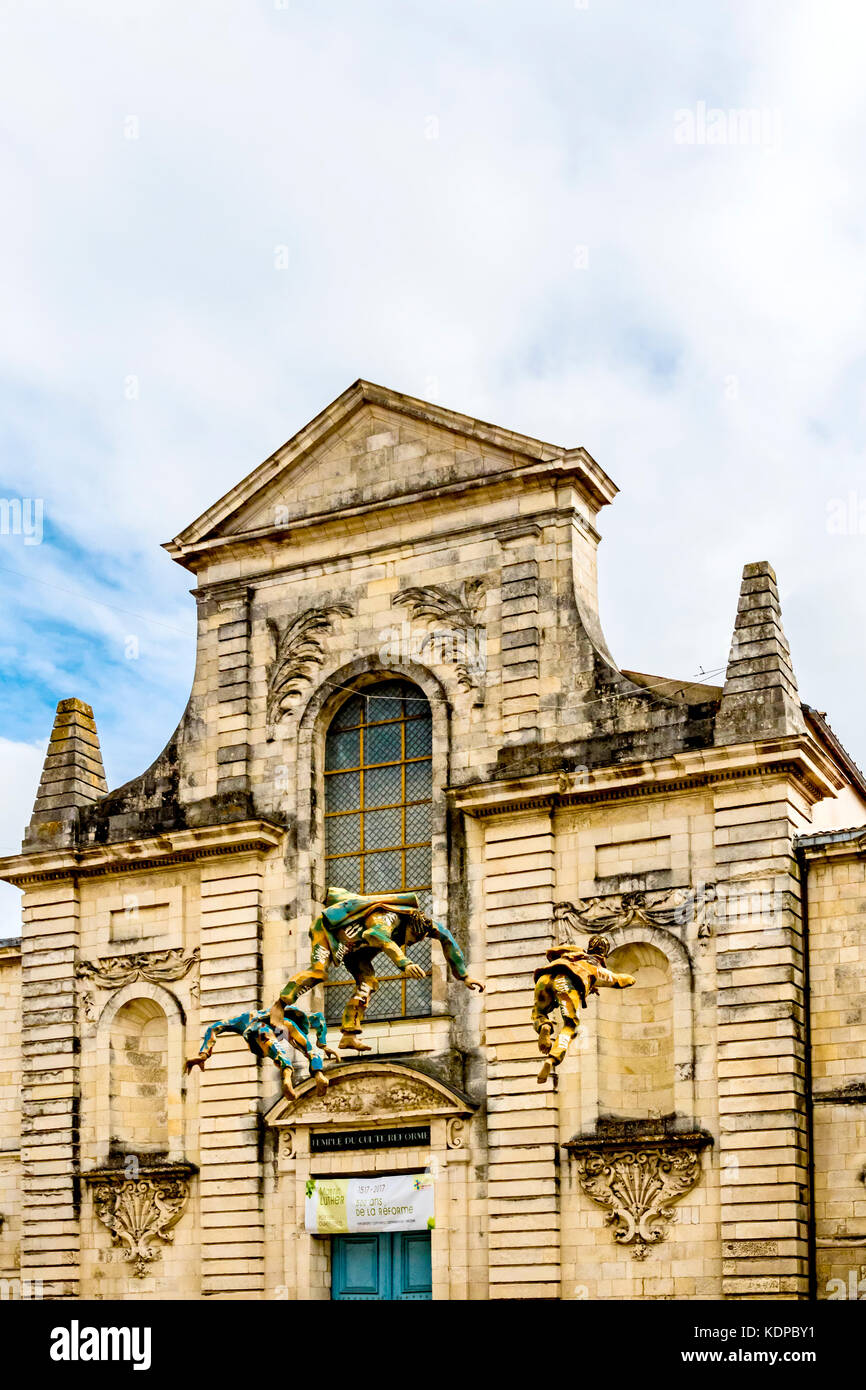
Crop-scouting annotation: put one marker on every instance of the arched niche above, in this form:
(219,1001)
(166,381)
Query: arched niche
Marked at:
(631,1073)
(140,1035)
(636,1075)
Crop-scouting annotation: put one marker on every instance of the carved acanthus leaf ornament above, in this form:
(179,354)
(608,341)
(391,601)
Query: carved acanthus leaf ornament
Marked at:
(669,908)
(157,967)
(378,1095)
(298,651)
(459,635)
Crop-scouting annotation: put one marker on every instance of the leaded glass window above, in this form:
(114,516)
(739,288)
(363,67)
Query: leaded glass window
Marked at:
(378,825)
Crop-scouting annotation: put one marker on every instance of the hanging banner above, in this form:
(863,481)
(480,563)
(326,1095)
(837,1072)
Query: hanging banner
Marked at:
(402,1202)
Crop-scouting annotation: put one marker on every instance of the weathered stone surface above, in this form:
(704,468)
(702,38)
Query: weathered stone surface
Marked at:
(390,535)
(759,699)
(72,776)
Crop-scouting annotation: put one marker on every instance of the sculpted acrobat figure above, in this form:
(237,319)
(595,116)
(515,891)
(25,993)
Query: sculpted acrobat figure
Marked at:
(307,1033)
(570,975)
(351,931)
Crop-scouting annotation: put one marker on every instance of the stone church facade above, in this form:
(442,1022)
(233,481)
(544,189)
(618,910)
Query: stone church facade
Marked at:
(402,683)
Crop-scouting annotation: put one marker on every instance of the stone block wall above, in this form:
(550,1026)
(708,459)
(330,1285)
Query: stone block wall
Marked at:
(836,867)
(646,1060)
(567,798)
(10,1111)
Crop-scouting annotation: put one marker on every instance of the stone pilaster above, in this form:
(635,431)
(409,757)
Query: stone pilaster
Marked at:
(50,1236)
(232,1217)
(233,708)
(761,1035)
(520,639)
(523,1123)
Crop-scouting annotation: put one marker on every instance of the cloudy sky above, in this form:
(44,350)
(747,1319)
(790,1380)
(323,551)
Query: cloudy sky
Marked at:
(635,227)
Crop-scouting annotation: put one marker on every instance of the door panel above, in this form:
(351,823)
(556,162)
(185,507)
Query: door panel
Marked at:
(361,1268)
(412,1265)
(391,1267)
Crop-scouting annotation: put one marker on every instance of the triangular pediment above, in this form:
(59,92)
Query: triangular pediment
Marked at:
(361,1093)
(372,446)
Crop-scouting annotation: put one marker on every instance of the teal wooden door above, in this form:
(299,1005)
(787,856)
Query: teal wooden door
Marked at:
(388,1266)
(411,1265)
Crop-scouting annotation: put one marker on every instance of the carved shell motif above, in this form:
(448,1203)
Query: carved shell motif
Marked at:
(637,1188)
(139,1213)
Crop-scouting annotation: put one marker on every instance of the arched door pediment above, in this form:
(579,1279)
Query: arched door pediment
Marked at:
(361,1093)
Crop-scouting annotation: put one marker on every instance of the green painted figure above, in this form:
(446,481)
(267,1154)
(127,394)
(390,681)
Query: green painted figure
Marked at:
(351,931)
(306,1033)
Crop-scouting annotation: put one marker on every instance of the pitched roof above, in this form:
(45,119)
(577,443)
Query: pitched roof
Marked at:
(212,521)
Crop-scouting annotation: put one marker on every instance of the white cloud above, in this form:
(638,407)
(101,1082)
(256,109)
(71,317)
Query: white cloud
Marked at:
(708,355)
(20,768)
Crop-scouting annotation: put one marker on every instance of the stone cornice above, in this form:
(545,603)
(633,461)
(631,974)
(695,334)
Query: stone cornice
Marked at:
(355,521)
(369,544)
(641,1137)
(129,856)
(799,757)
(834,844)
(477,530)
(145,1168)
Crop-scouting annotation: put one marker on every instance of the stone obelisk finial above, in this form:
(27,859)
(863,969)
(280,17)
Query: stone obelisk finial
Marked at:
(760,698)
(72,776)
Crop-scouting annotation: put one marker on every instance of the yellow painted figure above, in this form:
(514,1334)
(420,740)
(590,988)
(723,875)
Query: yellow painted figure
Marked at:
(351,931)
(570,975)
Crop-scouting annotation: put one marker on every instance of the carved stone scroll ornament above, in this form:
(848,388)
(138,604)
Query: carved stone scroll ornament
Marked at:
(669,907)
(298,651)
(141,1212)
(157,967)
(460,635)
(637,1183)
(455,1137)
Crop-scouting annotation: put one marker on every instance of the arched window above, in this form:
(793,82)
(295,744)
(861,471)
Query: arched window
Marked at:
(139,1079)
(378,815)
(636,1037)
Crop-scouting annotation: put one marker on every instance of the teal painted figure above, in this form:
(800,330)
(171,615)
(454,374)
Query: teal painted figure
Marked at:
(306,1033)
(351,931)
